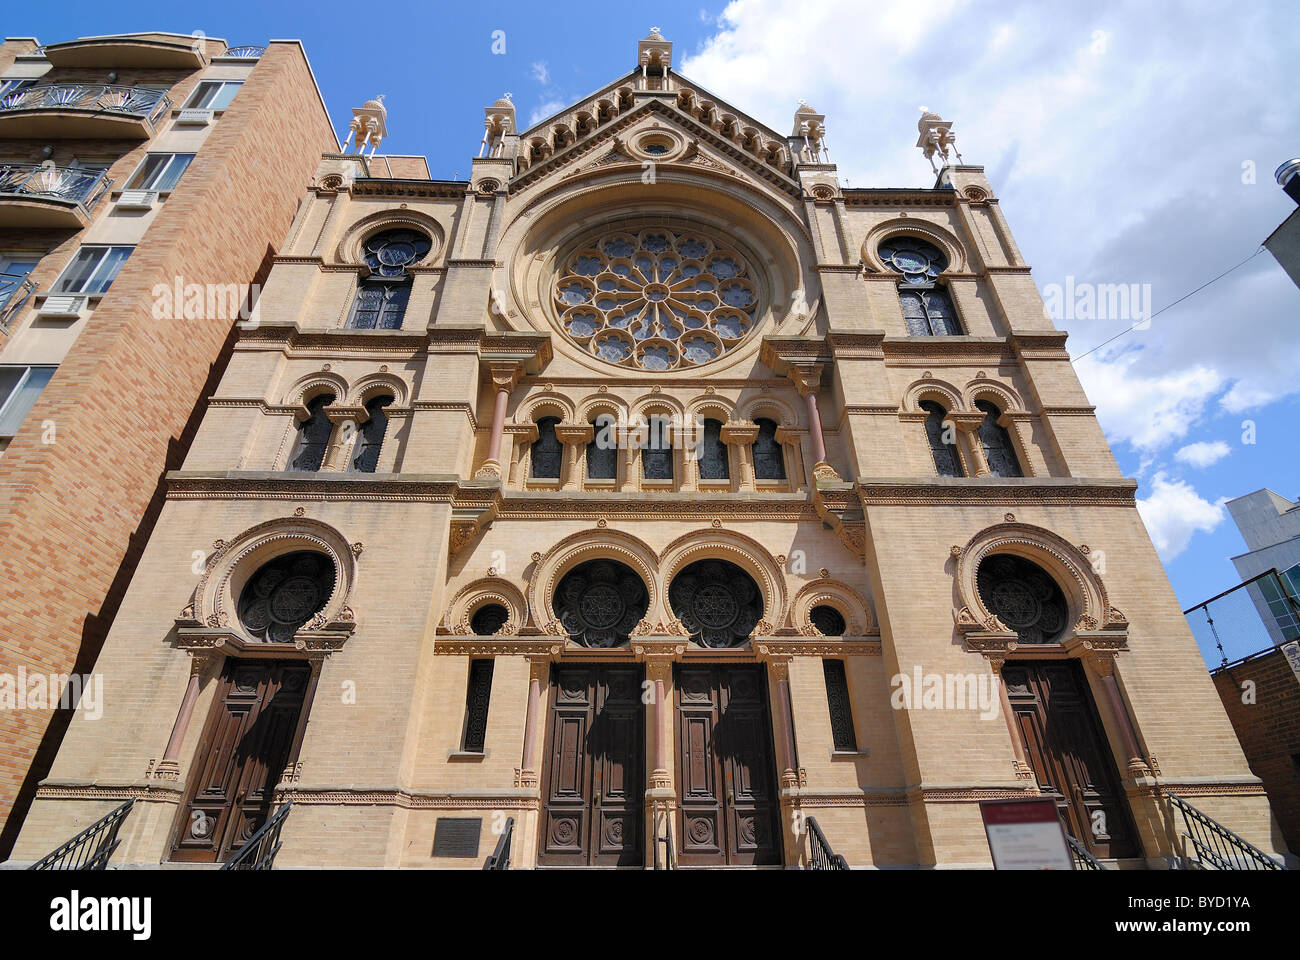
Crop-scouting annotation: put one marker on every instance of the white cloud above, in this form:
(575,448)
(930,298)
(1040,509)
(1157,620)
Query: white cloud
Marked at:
(1203,453)
(1174,512)
(541,74)
(1114,137)
(545,109)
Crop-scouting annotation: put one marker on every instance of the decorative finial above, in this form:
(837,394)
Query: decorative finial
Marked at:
(508,95)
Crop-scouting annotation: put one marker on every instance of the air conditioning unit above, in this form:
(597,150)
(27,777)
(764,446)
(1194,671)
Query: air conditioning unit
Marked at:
(137,199)
(62,307)
(198,118)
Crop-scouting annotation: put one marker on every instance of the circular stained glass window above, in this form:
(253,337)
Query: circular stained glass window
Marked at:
(284,594)
(916,260)
(656,299)
(388,254)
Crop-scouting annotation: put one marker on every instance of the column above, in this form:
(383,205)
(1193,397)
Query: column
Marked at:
(575,437)
(1021,763)
(169,767)
(661,793)
(504,375)
(806,378)
(739,435)
(972,451)
(1105,669)
(538,671)
(347,423)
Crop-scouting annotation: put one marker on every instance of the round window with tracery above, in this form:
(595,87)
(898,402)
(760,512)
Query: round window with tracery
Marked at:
(657,299)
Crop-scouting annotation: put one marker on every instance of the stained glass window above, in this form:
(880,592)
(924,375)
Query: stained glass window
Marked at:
(313,436)
(995,440)
(713,453)
(927,306)
(828,621)
(478,696)
(769,459)
(388,254)
(284,594)
(602,451)
(1024,597)
(546,450)
(657,454)
(380,304)
(841,709)
(370,438)
(657,299)
(600,602)
(488,619)
(947,463)
(716,601)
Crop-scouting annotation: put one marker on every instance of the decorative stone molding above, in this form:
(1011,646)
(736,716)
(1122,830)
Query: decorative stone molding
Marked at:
(859,619)
(469,598)
(744,552)
(946,241)
(605,544)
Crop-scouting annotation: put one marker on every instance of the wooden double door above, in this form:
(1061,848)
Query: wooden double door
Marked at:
(729,810)
(1071,759)
(245,746)
(593,782)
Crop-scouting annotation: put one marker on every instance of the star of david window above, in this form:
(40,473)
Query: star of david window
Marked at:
(657,299)
(927,307)
(716,601)
(600,602)
(1024,597)
(284,594)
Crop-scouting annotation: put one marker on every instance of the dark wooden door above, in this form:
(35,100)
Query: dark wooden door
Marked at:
(242,753)
(593,785)
(1071,759)
(728,806)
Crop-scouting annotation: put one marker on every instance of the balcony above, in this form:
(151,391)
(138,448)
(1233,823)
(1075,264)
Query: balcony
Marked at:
(44,195)
(15,290)
(126,51)
(82,111)
(247,52)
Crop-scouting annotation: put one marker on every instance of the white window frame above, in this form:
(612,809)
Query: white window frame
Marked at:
(57,288)
(5,402)
(190,103)
(158,174)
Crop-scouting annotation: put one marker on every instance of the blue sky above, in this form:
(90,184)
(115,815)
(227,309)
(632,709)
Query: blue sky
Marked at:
(1128,143)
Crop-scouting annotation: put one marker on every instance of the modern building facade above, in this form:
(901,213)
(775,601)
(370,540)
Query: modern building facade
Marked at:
(143,181)
(1270,525)
(650,495)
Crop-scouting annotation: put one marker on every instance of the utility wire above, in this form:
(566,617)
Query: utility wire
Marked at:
(1133,326)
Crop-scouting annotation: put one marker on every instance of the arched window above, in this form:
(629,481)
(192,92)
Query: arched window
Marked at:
(769,459)
(713,453)
(1023,596)
(600,602)
(284,594)
(927,307)
(828,621)
(657,454)
(371,435)
(943,440)
(546,450)
(602,451)
(995,440)
(313,436)
(381,298)
(718,602)
(488,619)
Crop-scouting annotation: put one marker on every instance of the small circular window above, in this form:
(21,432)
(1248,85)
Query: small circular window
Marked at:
(828,621)
(917,260)
(657,299)
(388,254)
(488,619)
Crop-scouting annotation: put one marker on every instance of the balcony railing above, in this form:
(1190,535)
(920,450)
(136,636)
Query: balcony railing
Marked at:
(821,856)
(48,182)
(91,848)
(244,53)
(142,102)
(1214,845)
(15,290)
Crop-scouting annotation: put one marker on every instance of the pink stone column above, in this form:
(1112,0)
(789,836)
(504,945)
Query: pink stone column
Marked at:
(527,774)
(1122,720)
(815,427)
(173,751)
(498,424)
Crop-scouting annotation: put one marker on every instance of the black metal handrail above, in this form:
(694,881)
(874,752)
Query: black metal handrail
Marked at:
(500,859)
(821,856)
(15,290)
(667,841)
(260,850)
(246,52)
(91,848)
(102,97)
(1083,860)
(1216,846)
(50,182)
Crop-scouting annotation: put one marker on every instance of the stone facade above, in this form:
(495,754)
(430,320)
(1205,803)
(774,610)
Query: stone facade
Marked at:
(458,514)
(77,505)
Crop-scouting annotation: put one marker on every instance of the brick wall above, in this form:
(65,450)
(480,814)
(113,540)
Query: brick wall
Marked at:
(74,514)
(1269,730)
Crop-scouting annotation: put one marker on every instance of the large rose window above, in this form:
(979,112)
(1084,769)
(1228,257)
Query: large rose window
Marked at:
(1024,597)
(717,602)
(656,300)
(284,594)
(600,602)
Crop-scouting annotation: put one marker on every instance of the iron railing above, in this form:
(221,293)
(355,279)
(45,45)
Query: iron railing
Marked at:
(1217,847)
(500,859)
(101,97)
(249,52)
(666,841)
(820,855)
(50,182)
(260,850)
(1083,860)
(15,290)
(91,848)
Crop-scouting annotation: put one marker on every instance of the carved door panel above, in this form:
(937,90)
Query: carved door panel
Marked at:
(728,807)
(242,754)
(593,789)
(1068,751)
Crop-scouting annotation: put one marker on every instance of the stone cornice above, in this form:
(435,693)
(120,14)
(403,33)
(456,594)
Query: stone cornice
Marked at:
(898,197)
(384,187)
(1043,491)
(948,349)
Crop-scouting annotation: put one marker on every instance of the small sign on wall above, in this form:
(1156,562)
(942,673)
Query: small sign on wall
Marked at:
(457,836)
(1025,835)
(1292,653)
